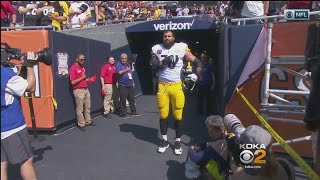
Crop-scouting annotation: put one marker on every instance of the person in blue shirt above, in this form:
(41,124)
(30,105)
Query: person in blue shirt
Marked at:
(126,86)
(15,144)
(206,85)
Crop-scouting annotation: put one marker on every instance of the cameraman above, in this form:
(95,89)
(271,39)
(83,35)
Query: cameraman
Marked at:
(15,144)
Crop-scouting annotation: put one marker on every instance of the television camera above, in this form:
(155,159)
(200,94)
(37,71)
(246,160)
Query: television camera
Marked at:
(8,53)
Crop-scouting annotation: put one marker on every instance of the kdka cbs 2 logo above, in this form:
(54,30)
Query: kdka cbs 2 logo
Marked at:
(253,155)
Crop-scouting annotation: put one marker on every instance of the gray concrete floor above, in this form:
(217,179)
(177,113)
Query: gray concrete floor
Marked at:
(118,149)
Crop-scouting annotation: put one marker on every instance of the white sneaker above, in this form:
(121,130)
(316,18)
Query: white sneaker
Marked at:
(163,146)
(177,148)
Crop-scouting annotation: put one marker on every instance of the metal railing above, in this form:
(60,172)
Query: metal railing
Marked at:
(110,22)
(306,138)
(28,27)
(268,17)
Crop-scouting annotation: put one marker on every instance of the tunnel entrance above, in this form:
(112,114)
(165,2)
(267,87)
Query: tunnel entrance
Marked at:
(200,39)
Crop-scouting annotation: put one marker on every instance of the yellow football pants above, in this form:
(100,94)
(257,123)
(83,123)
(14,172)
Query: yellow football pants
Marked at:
(170,92)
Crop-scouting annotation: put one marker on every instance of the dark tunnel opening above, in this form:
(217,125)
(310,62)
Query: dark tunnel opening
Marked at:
(198,41)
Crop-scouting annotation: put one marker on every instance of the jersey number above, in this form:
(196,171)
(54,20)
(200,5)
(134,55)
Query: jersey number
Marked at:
(46,12)
(173,63)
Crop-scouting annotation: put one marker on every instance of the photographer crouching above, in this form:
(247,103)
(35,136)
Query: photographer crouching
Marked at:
(210,160)
(15,144)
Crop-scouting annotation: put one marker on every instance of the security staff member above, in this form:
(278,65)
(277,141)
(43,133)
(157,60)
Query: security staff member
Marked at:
(81,92)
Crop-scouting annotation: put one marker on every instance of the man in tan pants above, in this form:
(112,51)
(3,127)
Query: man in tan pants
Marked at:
(81,92)
(108,79)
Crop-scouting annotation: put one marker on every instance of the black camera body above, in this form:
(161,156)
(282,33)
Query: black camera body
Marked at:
(8,53)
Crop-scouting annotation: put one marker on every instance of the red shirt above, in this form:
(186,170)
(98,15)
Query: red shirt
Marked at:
(6,8)
(108,72)
(299,4)
(77,72)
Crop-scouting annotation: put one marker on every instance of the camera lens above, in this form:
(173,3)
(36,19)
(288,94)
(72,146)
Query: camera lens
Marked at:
(234,125)
(44,56)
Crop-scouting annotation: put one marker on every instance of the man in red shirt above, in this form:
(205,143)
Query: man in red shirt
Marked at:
(6,9)
(81,92)
(108,78)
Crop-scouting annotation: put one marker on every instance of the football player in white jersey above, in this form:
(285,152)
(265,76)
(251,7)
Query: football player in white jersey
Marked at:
(167,58)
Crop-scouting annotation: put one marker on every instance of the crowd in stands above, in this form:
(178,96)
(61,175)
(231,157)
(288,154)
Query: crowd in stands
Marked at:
(80,14)
(95,13)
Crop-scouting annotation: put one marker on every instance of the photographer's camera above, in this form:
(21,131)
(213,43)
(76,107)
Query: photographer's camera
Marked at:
(8,53)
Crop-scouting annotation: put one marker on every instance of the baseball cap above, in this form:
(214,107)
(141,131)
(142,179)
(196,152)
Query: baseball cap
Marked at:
(214,121)
(256,135)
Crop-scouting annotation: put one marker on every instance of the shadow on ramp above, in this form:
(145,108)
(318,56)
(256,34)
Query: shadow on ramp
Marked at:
(38,153)
(141,132)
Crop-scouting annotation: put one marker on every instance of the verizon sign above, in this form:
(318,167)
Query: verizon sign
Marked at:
(173,26)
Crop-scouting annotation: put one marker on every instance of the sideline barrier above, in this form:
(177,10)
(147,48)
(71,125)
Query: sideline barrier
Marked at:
(308,170)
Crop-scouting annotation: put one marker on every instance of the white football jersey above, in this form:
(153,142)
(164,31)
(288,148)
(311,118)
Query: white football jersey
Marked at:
(171,72)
